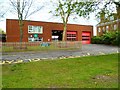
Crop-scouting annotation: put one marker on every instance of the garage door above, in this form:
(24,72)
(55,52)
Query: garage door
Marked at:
(86,39)
(71,35)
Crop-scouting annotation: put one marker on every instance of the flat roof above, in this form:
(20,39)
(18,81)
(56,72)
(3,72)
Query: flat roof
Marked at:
(52,22)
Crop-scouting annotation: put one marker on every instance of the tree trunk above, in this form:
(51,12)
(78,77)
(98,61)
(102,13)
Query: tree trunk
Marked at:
(64,32)
(21,30)
(21,26)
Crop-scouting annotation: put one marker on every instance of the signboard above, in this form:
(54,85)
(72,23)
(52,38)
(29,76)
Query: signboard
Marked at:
(35,35)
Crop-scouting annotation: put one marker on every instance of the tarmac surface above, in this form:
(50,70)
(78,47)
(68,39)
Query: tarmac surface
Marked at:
(86,50)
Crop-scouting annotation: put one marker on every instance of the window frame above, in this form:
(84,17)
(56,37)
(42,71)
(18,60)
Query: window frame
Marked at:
(35,29)
(107,28)
(115,26)
(99,29)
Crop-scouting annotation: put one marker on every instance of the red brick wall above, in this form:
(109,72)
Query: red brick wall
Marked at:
(13,33)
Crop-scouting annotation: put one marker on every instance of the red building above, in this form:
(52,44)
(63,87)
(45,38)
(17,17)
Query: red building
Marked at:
(34,31)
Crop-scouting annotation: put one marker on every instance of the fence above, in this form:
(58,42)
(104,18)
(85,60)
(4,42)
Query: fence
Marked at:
(33,46)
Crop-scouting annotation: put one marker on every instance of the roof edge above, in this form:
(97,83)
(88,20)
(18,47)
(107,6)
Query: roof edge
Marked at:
(52,22)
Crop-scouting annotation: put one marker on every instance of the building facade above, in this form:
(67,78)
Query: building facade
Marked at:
(108,24)
(35,31)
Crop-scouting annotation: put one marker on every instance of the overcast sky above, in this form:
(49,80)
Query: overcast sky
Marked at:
(44,15)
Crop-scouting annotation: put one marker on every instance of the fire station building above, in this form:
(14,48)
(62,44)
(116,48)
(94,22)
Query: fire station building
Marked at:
(36,31)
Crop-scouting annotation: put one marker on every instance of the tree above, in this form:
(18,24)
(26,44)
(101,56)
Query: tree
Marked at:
(117,4)
(118,12)
(2,11)
(108,8)
(118,8)
(24,9)
(66,8)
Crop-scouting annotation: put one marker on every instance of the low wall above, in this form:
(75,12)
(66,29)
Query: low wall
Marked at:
(13,46)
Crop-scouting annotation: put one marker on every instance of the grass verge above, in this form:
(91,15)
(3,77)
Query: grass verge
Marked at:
(84,72)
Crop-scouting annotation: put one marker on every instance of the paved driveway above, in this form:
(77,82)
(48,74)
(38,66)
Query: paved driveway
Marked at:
(89,49)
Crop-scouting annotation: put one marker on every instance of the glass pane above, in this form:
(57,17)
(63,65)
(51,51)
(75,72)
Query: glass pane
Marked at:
(35,29)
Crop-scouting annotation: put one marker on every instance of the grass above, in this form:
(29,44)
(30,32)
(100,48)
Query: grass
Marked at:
(84,72)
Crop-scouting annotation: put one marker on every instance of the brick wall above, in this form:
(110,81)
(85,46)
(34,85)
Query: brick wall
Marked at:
(13,33)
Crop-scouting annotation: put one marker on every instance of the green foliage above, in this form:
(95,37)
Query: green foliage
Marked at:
(116,40)
(84,8)
(96,40)
(102,9)
(69,7)
(110,38)
(66,8)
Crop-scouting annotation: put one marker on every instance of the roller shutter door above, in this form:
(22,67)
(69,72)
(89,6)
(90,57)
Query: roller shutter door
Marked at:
(71,35)
(86,38)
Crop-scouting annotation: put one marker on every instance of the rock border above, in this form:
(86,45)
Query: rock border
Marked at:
(41,59)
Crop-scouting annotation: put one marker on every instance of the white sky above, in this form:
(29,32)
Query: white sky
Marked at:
(44,15)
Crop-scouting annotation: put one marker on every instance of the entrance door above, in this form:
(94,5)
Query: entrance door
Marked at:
(86,39)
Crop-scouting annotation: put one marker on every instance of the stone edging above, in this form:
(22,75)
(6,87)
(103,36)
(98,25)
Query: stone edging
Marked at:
(40,59)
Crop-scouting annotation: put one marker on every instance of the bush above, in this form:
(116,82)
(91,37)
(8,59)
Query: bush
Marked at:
(116,40)
(96,40)
(110,38)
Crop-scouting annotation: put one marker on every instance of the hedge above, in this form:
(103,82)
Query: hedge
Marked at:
(110,38)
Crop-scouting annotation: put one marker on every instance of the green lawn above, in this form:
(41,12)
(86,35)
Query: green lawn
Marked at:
(84,72)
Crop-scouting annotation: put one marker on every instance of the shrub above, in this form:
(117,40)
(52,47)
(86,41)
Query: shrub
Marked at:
(116,40)
(96,40)
(110,38)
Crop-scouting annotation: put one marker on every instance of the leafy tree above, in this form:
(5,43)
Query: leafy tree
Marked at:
(118,12)
(66,8)
(108,9)
(24,9)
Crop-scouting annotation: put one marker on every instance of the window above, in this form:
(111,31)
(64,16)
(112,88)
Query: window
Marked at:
(34,38)
(107,27)
(35,29)
(111,18)
(99,29)
(103,30)
(111,28)
(115,27)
